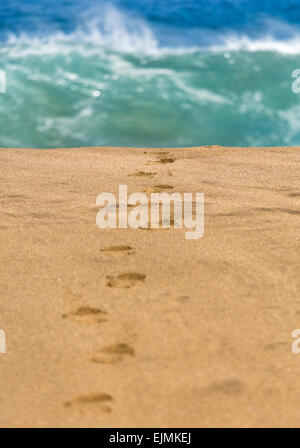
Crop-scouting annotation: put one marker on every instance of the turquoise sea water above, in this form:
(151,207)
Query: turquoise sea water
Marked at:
(117,74)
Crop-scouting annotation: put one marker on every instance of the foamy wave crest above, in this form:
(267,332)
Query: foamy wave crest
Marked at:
(116,30)
(268,43)
(274,36)
(113,29)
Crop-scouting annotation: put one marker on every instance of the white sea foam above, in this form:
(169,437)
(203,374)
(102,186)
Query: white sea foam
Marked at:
(268,43)
(115,30)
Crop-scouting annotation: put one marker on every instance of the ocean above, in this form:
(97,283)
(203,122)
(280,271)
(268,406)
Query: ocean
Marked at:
(160,73)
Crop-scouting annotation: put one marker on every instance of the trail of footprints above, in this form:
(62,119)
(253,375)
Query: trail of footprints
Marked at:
(101,402)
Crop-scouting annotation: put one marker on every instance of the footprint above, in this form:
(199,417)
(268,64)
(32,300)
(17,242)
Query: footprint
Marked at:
(158,188)
(15,197)
(143,174)
(91,403)
(118,250)
(184,298)
(112,354)
(161,161)
(160,153)
(126,280)
(86,314)
(164,160)
(227,387)
(164,223)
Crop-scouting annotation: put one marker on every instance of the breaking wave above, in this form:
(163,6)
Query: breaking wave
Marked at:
(117,79)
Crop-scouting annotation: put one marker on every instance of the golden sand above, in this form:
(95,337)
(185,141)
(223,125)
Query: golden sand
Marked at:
(139,328)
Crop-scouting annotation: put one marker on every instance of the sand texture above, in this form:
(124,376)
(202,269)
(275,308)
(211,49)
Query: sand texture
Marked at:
(141,328)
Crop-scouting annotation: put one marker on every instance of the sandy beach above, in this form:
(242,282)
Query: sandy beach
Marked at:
(141,328)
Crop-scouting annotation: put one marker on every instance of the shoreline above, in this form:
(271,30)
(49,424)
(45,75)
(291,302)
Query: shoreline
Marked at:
(150,148)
